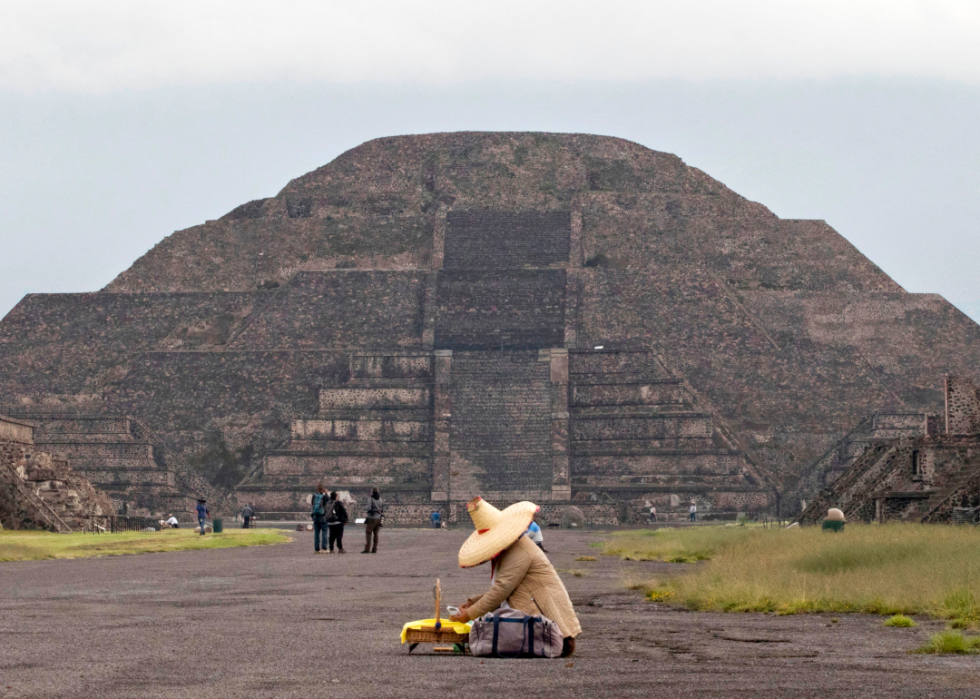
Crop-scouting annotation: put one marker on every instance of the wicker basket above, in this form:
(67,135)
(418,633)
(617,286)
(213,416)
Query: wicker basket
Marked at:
(428,634)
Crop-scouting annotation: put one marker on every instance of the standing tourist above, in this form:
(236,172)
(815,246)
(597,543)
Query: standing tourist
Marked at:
(693,512)
(336,519)
(372,521)
(653,514)
(248,512)
(202,513)
(318,511)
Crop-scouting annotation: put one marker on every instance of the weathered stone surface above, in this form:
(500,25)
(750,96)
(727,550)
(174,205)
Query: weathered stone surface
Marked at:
(929,477)
(38,491)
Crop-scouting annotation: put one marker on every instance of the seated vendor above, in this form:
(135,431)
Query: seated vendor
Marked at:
(520,573)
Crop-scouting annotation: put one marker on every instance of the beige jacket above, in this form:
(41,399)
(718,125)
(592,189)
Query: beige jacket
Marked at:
(526,579)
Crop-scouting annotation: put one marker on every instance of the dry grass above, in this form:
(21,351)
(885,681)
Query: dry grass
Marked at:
(36,546)
(585,558)
(674,545)
(892,569)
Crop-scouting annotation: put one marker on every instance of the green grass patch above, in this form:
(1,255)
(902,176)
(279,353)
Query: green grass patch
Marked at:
(37,546)
(900,621)
(949,642)
(889,569)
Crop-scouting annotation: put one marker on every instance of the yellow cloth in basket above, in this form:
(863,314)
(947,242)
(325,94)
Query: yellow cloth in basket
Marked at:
(459,627)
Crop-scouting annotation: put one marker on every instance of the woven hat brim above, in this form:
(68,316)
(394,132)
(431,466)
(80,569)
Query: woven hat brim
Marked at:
(480,548)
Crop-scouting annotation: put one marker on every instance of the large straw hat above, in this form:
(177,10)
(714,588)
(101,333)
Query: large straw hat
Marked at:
(495,530)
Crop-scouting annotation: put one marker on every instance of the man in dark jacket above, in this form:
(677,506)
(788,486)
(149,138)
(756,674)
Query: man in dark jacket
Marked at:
(336,519)
(372,521)
(247,513)
(318,511)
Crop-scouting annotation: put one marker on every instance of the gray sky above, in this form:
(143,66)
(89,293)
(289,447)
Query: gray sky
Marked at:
(121,122)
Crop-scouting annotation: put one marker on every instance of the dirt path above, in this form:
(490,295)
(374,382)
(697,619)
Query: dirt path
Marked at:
(277,621)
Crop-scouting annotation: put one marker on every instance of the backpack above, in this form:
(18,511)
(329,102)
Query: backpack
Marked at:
(317,510)
(331,512)
(510,633)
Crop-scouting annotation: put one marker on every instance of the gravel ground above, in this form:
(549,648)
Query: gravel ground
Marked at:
(277,621)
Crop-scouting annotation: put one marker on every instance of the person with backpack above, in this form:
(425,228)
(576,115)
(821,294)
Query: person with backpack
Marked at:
(318,511)
(373,520)
(202,513)
(336,519)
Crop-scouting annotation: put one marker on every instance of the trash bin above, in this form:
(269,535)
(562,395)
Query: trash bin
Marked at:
(219,525)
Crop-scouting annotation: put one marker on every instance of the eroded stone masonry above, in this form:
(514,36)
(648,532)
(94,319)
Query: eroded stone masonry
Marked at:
(571,319)
(41,492)
(929,476)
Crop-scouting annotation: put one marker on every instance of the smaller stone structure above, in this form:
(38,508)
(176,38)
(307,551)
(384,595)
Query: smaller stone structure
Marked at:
(829,466)
(117,454)
(927,478)
(38,491)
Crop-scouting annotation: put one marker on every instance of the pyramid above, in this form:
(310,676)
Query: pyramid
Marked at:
(572,319)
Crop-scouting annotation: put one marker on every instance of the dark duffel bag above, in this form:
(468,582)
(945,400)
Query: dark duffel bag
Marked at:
(509,633)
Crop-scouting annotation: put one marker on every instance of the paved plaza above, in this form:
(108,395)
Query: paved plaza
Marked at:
(277,621)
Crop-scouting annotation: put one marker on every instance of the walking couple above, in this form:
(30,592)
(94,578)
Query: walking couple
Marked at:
(329,517)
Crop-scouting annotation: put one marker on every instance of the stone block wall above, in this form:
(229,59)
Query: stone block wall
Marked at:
(77,345)
(348,309)
(962,406)
(483,239)
(16,432)
(514,309)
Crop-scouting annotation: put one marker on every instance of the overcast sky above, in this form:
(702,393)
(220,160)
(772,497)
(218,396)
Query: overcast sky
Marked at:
(123,121)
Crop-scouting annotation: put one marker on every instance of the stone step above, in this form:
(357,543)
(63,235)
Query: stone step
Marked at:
(50,425)
(640,447)
(626,378)
(628,411)
(613,427)
(354,448)
(58,438)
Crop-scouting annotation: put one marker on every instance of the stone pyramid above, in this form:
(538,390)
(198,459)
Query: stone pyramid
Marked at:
(572,319)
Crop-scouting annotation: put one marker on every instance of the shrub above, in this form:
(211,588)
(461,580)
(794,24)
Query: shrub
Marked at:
(946,642)
(901,621)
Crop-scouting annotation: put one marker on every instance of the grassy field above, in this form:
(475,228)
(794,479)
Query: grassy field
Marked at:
(36,546)
(891,569)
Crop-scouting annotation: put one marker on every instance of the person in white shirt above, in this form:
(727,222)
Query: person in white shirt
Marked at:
(693,511)
(172,522)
